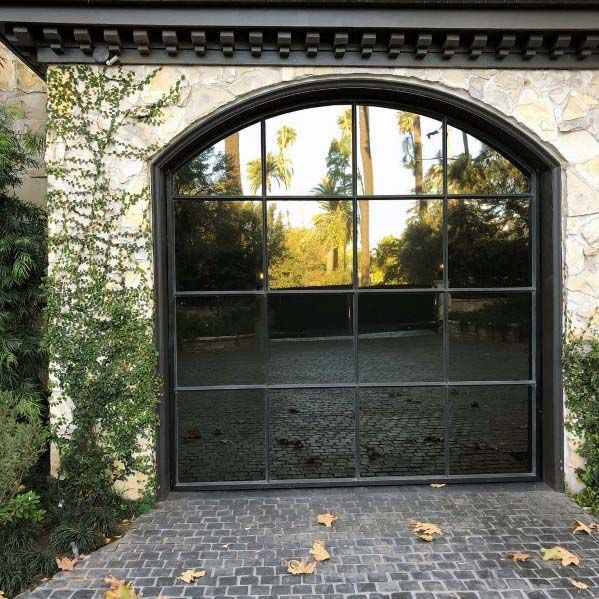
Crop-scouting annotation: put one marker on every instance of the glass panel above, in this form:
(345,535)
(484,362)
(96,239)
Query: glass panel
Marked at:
(231,166)
(218,245)
(312,433)
(308,152)
(474,167)
(400,337)
(489,336)
(221,436)
(401,243)
(401,431)
(220,341)
(399,153)
(310,339)
(489,243)
(489,430)
(310,244)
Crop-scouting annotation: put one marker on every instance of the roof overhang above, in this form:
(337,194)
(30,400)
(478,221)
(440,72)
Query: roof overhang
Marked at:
(435,33)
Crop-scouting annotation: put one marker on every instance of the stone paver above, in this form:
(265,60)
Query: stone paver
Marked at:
(242,539)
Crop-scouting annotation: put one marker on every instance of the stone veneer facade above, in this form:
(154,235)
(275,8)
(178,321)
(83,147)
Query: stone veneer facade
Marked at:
(25,92)
(560,109)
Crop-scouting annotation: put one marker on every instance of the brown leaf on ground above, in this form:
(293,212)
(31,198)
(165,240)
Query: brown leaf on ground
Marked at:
(427,531)
(303,566)
(326,519)
(438,485)
(582,527)
(516,556)
(579,585)
(190,576)
(66,564)
(318,552)
(119,589)
(561,554)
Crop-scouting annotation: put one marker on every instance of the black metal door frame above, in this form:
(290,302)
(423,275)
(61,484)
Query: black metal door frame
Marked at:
(545,236)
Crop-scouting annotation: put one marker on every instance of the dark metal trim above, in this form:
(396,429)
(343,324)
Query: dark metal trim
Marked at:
(463,114)
(392,35)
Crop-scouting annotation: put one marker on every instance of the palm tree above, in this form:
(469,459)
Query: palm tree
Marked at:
(233,160)
(368,188)
(409,124)
(278,164)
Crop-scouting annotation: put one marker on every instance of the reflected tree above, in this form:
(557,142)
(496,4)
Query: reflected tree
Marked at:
(367,189)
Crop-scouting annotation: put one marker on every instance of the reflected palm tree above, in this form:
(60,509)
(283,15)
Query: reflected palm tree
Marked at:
(368,189)
(233,160)
(278,164)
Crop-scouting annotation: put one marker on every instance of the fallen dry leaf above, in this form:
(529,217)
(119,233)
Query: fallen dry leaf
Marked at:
(326,519)
(190,576)
(561,554)
(516,556)
(66,564)
(318,552)
(438,485)
(303,566)
(582,527)
(119,589)
(428,531)
(579,585)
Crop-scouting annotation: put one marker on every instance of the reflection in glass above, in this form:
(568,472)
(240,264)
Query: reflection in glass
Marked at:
(399,153)
(400,337)
(312,433)
(220,341)
(489,430)
(230,167)
(489,336)
(309,244)
(310,338)
(308,152)
(474,167)
(401,431)
(218,245)
(489,243)
(221,436)
(401,243)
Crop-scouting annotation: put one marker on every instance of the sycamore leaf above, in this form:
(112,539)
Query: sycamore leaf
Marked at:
(302,566)
(190,576)
(66,564)
(561,554)
(582,527)
(318,552)
(327,519)
(119,589)
(579,585)
(438,485)
(428,531)
(518,557)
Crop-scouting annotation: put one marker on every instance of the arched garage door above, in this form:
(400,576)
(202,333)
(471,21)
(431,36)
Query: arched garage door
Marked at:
(352,299)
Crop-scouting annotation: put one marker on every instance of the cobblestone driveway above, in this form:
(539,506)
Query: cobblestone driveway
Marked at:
(243,538)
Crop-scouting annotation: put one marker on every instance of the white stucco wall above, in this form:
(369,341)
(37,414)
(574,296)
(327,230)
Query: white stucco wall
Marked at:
(560,109)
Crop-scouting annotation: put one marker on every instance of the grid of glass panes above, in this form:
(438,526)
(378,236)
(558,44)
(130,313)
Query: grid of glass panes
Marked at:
(353,297)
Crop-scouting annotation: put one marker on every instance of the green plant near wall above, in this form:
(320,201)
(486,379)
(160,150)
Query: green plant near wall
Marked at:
(99,317)
(581,385)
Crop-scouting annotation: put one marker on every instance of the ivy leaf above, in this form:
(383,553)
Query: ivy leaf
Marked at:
(303,566)
(327,519)
(66,564)
(119,589)
(318,552)
(560,554)
(190,576)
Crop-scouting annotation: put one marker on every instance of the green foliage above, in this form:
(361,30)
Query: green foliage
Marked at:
(99,319)
(25,506)
(581,385)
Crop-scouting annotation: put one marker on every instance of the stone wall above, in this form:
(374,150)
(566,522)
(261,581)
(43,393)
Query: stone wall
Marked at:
(25,91)
(560,109)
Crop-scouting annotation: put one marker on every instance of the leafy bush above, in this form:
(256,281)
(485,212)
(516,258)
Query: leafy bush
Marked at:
(25,506)
(581,384)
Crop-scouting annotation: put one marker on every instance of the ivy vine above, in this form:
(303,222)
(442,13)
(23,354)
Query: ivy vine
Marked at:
(99,316)
(581,386)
